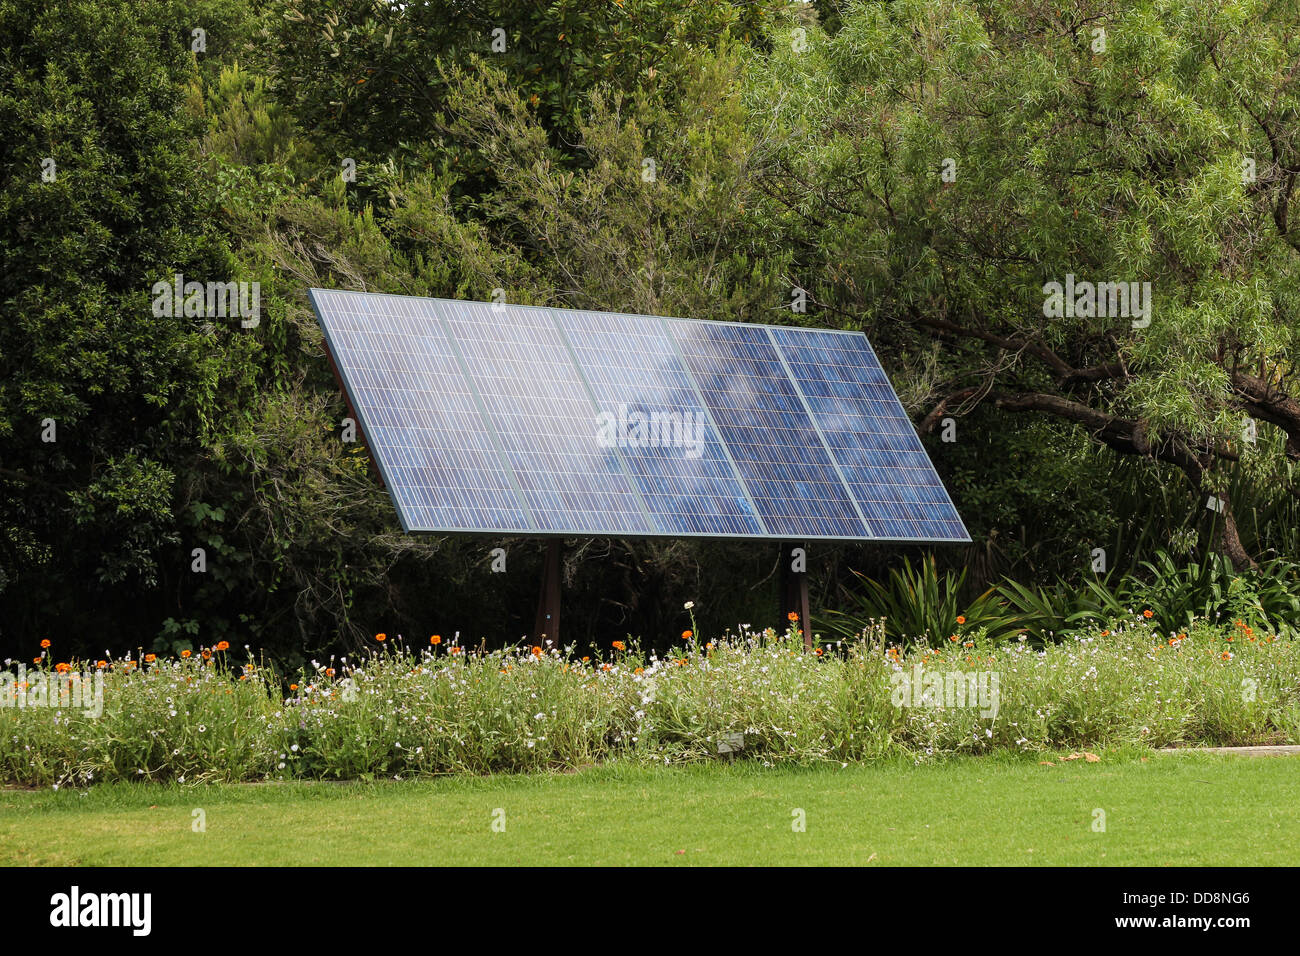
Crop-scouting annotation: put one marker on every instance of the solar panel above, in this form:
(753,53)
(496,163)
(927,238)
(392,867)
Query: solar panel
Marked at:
(417,413)
(789,474)
(496,418)
(683,472)
(869,434)
(538,407)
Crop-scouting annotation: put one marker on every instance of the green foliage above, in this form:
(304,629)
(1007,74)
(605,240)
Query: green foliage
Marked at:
(99,201)
(920,604)
(365,77)
(1177,594)
(446,709)
(937,164)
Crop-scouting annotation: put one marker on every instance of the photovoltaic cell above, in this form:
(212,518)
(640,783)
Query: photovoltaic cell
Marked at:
(516,419)
(657,421)
(787,470)
(870,435)
(417,413)
(544,419)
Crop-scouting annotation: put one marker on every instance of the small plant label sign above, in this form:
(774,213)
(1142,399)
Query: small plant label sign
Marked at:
(731,743)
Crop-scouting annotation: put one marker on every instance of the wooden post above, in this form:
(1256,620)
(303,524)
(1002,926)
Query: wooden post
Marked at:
(794,589)
(546,630)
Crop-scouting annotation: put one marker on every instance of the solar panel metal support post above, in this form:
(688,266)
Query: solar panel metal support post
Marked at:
(547,626)
(794,592)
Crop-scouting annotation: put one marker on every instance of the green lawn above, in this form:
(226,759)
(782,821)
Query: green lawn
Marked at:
(1181,809)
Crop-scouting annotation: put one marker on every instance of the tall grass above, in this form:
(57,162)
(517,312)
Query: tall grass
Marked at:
(401,712)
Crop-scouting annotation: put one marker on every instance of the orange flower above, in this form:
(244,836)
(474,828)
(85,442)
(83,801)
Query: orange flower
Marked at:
(961,619)
(585,659)
(605,667)
(62,668)
(793,616)
(687,635)
(36,660)
(206,655)
(708,646)
(186,653)
(953,638)
(101,664)
(329,672)
(1148,614)
(1105,633)
(620,646)
(1226,655)
(456,650)
(223,645)
(436,639)
(818,651)
(969,644)
(150,658)
(381,638)
(639,670)
(537,652)
(45,643)
(293,686)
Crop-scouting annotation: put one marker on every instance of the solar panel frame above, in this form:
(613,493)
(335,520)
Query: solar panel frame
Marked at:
(668,323)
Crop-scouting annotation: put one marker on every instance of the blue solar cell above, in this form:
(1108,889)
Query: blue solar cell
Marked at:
(520,419)
(544,419)
(654,416)
(870,435)
(418,414)
(788,472)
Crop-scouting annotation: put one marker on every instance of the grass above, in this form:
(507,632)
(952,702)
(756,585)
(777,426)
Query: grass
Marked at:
(437,709)
(1176,809)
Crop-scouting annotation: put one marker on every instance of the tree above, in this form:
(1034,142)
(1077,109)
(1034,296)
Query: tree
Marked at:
(100,200)
(1090,206)
(367,76)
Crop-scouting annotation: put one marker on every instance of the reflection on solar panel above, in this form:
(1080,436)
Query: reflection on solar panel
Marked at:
(518,419)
